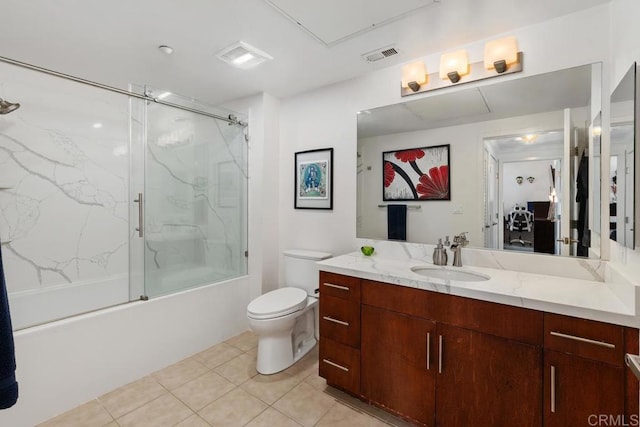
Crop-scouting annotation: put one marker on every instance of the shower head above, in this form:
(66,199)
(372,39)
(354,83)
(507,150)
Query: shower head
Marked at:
(6,107)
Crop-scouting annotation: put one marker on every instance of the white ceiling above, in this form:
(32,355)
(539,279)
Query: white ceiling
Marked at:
(115,42)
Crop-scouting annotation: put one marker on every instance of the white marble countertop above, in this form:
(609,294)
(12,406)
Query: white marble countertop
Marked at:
(588,299)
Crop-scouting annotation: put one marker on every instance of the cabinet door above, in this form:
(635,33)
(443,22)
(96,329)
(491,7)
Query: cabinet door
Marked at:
(398,369)
(485,380)
(577,390)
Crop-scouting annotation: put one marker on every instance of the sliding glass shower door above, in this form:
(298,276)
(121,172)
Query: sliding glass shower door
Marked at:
(191,208)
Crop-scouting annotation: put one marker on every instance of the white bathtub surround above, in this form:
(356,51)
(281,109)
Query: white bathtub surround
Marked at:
(63,364)
(615,301)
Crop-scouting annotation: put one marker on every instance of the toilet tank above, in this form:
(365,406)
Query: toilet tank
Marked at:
(300,269)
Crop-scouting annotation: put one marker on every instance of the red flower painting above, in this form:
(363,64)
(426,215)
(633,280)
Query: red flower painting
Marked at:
(409,155)
(435,185)
(416,174)
(389,174)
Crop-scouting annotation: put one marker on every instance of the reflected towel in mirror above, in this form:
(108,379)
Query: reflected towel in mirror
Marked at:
(397,222)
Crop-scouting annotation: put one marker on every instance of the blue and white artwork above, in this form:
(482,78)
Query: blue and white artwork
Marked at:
(313,180)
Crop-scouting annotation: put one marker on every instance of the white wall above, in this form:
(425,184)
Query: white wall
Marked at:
(327,118)
(537,191)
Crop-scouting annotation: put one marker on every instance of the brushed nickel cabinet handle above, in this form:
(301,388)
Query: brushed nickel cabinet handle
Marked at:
(339,322)
(440,355)
(342,288)
(585,340)
(553,389)
(335,365)
(428,351)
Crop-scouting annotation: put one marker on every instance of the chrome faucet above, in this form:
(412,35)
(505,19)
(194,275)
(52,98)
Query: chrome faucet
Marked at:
(459,242)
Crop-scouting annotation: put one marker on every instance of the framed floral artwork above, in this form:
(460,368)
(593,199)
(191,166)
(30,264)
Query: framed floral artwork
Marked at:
(314,179)
(416,174)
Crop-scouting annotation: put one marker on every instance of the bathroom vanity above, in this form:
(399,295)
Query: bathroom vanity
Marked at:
(448,353)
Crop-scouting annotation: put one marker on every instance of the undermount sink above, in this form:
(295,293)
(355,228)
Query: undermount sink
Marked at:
(450,274)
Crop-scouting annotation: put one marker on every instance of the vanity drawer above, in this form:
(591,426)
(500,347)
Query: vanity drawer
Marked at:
(340,286)
(586,338)
(340,365)
(340,320)
(514,323)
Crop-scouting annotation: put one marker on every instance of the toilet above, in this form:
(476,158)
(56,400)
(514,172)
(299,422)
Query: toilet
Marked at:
(286,319)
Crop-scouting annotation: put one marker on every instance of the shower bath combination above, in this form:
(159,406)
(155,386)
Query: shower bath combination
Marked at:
(7,107)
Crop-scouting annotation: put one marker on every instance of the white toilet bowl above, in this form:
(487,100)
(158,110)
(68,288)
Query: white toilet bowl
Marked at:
(286,325)
(286,319)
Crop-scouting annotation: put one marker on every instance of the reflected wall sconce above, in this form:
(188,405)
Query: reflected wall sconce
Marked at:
(531,179)
(519,179)
(454,65)
(414,75)
(501,57)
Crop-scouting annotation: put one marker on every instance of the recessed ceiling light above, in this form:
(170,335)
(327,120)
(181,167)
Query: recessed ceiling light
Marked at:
(167,50)
(243,55)
(97,125)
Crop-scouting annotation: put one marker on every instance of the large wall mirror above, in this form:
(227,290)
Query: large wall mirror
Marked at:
(622,173)
(508,162)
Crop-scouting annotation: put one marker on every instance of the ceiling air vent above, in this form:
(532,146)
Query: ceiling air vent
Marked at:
(243,55)
(378,54)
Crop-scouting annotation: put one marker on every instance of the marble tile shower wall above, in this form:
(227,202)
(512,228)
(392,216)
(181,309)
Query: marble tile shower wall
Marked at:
(63,194)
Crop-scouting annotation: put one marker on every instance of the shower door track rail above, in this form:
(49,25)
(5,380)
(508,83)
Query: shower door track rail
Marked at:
(231,119)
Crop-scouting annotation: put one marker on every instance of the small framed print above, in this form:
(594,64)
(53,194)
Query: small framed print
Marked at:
(314,179)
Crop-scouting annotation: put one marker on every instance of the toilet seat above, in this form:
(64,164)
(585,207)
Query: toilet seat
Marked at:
(277,303)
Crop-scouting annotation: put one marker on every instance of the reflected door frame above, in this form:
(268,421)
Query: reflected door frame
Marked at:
(493,231)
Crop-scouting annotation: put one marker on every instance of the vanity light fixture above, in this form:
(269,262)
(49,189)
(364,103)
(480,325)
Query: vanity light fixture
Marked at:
(454,65)
(499,60)
(500,54)
(414,75)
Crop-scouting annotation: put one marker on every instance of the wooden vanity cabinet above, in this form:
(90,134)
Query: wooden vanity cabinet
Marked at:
(447,361)
(339,316)
(584,371)
(428,357)
(398,363)
(487,380)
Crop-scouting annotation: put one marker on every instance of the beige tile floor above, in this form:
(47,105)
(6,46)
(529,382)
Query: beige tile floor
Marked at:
(220,387)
